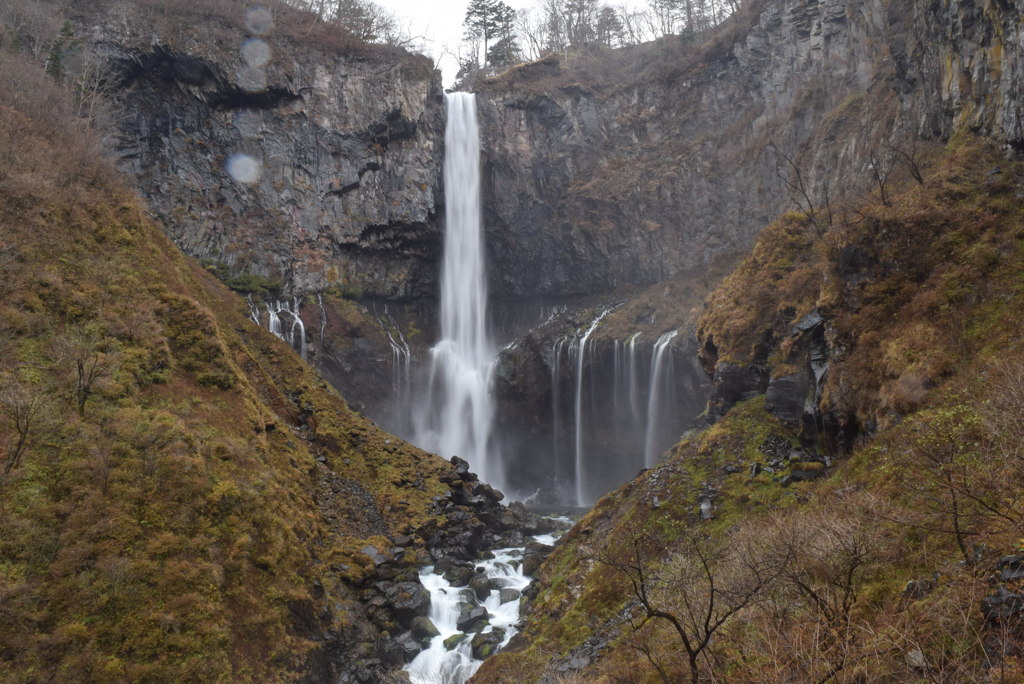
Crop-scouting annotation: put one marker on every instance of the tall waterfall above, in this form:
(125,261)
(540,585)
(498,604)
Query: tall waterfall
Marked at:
(457,417)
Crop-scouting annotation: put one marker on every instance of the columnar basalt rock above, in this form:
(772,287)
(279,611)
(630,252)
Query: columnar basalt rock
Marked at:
(343,185)
(630,178)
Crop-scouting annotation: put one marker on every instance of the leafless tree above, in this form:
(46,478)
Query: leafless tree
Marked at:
(92,358)
(697,590)
(20,406)
(820,215)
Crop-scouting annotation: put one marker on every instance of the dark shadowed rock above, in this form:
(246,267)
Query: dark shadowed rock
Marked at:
(486,644)
(471,618)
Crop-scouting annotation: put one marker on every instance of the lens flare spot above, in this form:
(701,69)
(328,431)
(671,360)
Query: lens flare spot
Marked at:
(256,52)
(259,21)
(244,168)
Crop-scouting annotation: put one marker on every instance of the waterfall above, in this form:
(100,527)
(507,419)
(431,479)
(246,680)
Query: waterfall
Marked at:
(556,402)
(401,357)
(458,415)
(323,320)
(581,352)
(654,399)
(275,325)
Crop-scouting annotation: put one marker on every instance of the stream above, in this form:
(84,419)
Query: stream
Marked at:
(487,624)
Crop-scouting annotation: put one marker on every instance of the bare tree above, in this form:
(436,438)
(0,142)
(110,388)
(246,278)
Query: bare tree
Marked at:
(698,590)
(20,407)
(92,358)
(908,156)
(881,167)
(820,216)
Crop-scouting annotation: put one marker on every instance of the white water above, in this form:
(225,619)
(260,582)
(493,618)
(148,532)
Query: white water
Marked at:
(459,412)
(276,325)
(436,664)
(581,499)
(653,400)
(625,407)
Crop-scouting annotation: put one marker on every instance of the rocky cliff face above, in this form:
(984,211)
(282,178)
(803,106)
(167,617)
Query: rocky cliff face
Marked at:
(309,165)
(659,158)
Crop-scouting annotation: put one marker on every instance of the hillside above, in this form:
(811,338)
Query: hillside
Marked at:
(870,536)
(182,498)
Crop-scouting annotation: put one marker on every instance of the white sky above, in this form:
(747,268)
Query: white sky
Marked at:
(440,24)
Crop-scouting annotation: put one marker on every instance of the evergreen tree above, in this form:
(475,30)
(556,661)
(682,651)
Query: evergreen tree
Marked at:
(490,19)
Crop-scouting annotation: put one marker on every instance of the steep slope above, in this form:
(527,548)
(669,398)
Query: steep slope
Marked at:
(181,498)
(753,554)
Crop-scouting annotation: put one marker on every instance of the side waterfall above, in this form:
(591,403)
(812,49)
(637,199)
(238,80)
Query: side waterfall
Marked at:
(458,414)
(615,396)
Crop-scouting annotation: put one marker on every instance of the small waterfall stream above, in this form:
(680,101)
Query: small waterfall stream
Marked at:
(613,396)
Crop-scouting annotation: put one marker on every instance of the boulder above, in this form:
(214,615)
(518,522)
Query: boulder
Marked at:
(459,576)
(508,594)
(471,618)
(454,640)
(481,586)
(408,600)
(487,643)
(423,628)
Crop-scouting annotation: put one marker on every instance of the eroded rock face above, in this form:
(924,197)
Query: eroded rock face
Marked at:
(589,185)
(344,186)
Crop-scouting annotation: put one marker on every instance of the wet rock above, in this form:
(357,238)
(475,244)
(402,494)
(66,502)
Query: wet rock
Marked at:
(461,465)
(481,585)
(408,600)
(1011,568)
(533,556)
(486,643)
(471,618)
(424,628)
(508,594)
(454,640)
(459,576)
(733,383)
(1004,606)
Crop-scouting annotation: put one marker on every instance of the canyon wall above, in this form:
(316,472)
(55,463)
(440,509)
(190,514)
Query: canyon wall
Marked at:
(632,167)
(343,187)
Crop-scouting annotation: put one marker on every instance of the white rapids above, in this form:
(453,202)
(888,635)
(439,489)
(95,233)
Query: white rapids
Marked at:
(437,664)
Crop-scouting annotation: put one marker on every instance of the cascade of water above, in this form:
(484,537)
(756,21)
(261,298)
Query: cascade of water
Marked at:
(581,352)
(254,312)
(297,322)
(633,378)
(274,324)
(323,319)
(439,664)
(459,422)
(650,438)
(273,321)
(556,403)
(401,355)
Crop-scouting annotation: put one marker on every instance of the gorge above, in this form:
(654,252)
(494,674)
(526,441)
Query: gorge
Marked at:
(287,334)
